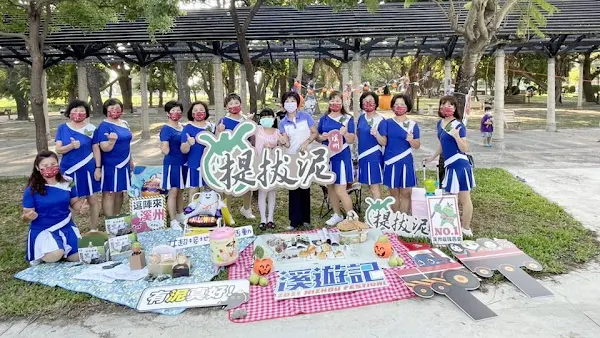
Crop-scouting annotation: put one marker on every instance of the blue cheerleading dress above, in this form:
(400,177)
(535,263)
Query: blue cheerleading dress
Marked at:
(115,163)
(459,173)
(194,156)
(174,164)
(370,153)
(53,229)
(341,163)
(399,168)
(78,164)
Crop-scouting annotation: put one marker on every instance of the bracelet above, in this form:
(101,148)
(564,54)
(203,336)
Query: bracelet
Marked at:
(98,167)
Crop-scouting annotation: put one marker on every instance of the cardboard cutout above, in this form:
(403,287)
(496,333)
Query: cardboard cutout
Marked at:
(379,215)
(328,279)
(230,164)
(336,141)
(485,255)
(146,181)
(438,273)
(444,219)
(228,293)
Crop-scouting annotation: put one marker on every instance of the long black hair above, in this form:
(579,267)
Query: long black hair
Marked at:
(331,96)
(36,180)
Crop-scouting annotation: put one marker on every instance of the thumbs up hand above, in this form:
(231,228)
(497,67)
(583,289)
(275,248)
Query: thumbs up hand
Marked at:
(112,136)
(190,140)
(221,127)
(75,144)
(409,137)
(85,207)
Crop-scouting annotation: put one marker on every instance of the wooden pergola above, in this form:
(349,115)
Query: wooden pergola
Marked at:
(315,32)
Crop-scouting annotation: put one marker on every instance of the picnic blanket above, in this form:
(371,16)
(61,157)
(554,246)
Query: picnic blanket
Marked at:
(262,304)
(127,292)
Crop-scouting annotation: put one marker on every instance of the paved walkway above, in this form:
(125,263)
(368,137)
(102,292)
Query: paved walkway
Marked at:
(562,166)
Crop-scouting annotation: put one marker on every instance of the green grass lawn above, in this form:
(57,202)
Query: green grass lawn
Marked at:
(504,208)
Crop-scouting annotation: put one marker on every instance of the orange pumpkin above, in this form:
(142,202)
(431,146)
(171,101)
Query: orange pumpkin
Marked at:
(383,247)
(263,266)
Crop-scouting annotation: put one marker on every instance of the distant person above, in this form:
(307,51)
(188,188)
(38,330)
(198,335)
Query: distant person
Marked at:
(487,127)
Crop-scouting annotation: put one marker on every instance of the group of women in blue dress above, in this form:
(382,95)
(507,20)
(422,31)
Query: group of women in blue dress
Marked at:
(385,153)
(98,159)
(94,159)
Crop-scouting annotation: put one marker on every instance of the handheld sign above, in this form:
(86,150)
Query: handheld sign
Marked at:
(336,141)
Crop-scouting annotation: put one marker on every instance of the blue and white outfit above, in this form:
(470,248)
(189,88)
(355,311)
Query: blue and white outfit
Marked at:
(174,164)
(78,164)
(115,163)
(341,163)
(459,173)
(194,156)
(399,168)
(370,153)
(230,123)
(53,229)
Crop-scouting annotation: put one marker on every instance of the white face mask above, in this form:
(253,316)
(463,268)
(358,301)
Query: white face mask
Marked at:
(290,107)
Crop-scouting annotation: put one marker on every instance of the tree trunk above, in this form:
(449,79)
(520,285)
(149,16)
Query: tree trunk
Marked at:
(93,83)
(275,88)
(150,96)
(230,80)
(22,108)
(588,78)
(125,85)
(183,88)
(161,89)
(37,69)
(466,74)
(413,76)
(243,47)
(282,85)
(209,88)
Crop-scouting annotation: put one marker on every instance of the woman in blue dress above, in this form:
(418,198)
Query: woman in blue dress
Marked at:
(80,160)
(233,105)
(453,145)
(198,115)
(47,203)
(337,119)
(174,163)
(370,142)
(402,136)
(114,137)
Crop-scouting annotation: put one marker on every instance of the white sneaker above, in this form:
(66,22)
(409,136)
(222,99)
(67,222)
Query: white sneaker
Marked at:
(467,232)
(175,225)
(247,213)
(35,262)
(180,218)
(334,220)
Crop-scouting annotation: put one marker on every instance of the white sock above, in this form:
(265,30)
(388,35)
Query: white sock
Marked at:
(262,205)
(271,194)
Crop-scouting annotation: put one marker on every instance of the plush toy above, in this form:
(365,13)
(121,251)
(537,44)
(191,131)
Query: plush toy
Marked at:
(204,210)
